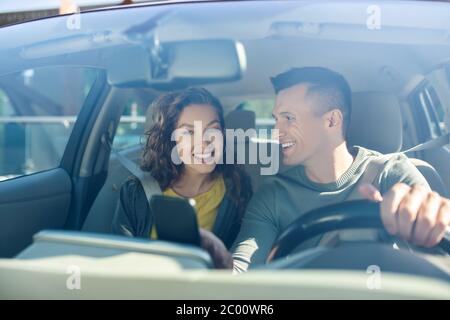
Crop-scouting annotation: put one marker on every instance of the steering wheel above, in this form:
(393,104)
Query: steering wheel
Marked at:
(346,215)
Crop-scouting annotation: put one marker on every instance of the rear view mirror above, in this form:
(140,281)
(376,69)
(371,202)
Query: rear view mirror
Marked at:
(176,64)
(206,61)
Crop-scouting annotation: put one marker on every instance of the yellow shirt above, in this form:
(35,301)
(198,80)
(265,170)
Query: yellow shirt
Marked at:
(206,205)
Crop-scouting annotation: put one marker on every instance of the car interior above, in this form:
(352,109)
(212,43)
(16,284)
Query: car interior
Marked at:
(68,210)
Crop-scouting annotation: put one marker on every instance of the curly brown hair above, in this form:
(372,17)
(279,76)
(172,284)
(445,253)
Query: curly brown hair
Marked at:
(157,159)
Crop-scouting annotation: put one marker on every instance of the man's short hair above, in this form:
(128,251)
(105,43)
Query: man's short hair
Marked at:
(329,88)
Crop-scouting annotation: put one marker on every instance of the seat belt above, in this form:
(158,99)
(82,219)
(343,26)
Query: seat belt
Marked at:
(430,144)
(373,169)
(376,165)
(149,184)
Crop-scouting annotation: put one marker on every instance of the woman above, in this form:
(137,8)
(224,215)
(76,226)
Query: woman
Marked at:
(189,167)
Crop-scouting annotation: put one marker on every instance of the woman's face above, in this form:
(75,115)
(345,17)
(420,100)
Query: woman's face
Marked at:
(199,138)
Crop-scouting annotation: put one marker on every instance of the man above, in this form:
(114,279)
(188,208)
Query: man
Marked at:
(312,113)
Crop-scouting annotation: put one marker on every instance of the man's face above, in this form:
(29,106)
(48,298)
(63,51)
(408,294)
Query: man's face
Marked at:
(301,131)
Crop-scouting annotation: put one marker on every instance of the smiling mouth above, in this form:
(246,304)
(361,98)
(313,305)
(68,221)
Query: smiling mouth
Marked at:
(204,158)
(287,145)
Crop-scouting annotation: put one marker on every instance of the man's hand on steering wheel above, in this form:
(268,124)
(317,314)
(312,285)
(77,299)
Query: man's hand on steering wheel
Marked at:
(416,214)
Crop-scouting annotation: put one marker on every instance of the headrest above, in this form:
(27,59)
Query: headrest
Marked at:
(240,119)
(236,119)
(375,122)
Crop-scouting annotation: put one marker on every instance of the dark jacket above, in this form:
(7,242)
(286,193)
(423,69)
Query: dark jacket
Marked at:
(134,218)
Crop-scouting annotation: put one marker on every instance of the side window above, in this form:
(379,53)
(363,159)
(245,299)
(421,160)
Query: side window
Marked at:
(263,111)
(435,111)
(38,108)
(429,113)
(6,109)
(130,131)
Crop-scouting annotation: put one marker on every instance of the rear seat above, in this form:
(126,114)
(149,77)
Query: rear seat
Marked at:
(245,119)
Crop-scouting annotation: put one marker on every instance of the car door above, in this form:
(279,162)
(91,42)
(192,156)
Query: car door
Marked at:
(429,102)
(47,107)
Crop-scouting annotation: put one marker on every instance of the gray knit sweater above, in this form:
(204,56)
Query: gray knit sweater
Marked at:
(290,194)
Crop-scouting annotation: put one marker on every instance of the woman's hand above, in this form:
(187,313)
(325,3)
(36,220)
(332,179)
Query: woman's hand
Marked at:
(221,257)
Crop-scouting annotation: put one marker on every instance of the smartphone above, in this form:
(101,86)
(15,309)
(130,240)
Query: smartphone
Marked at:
(175,220)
